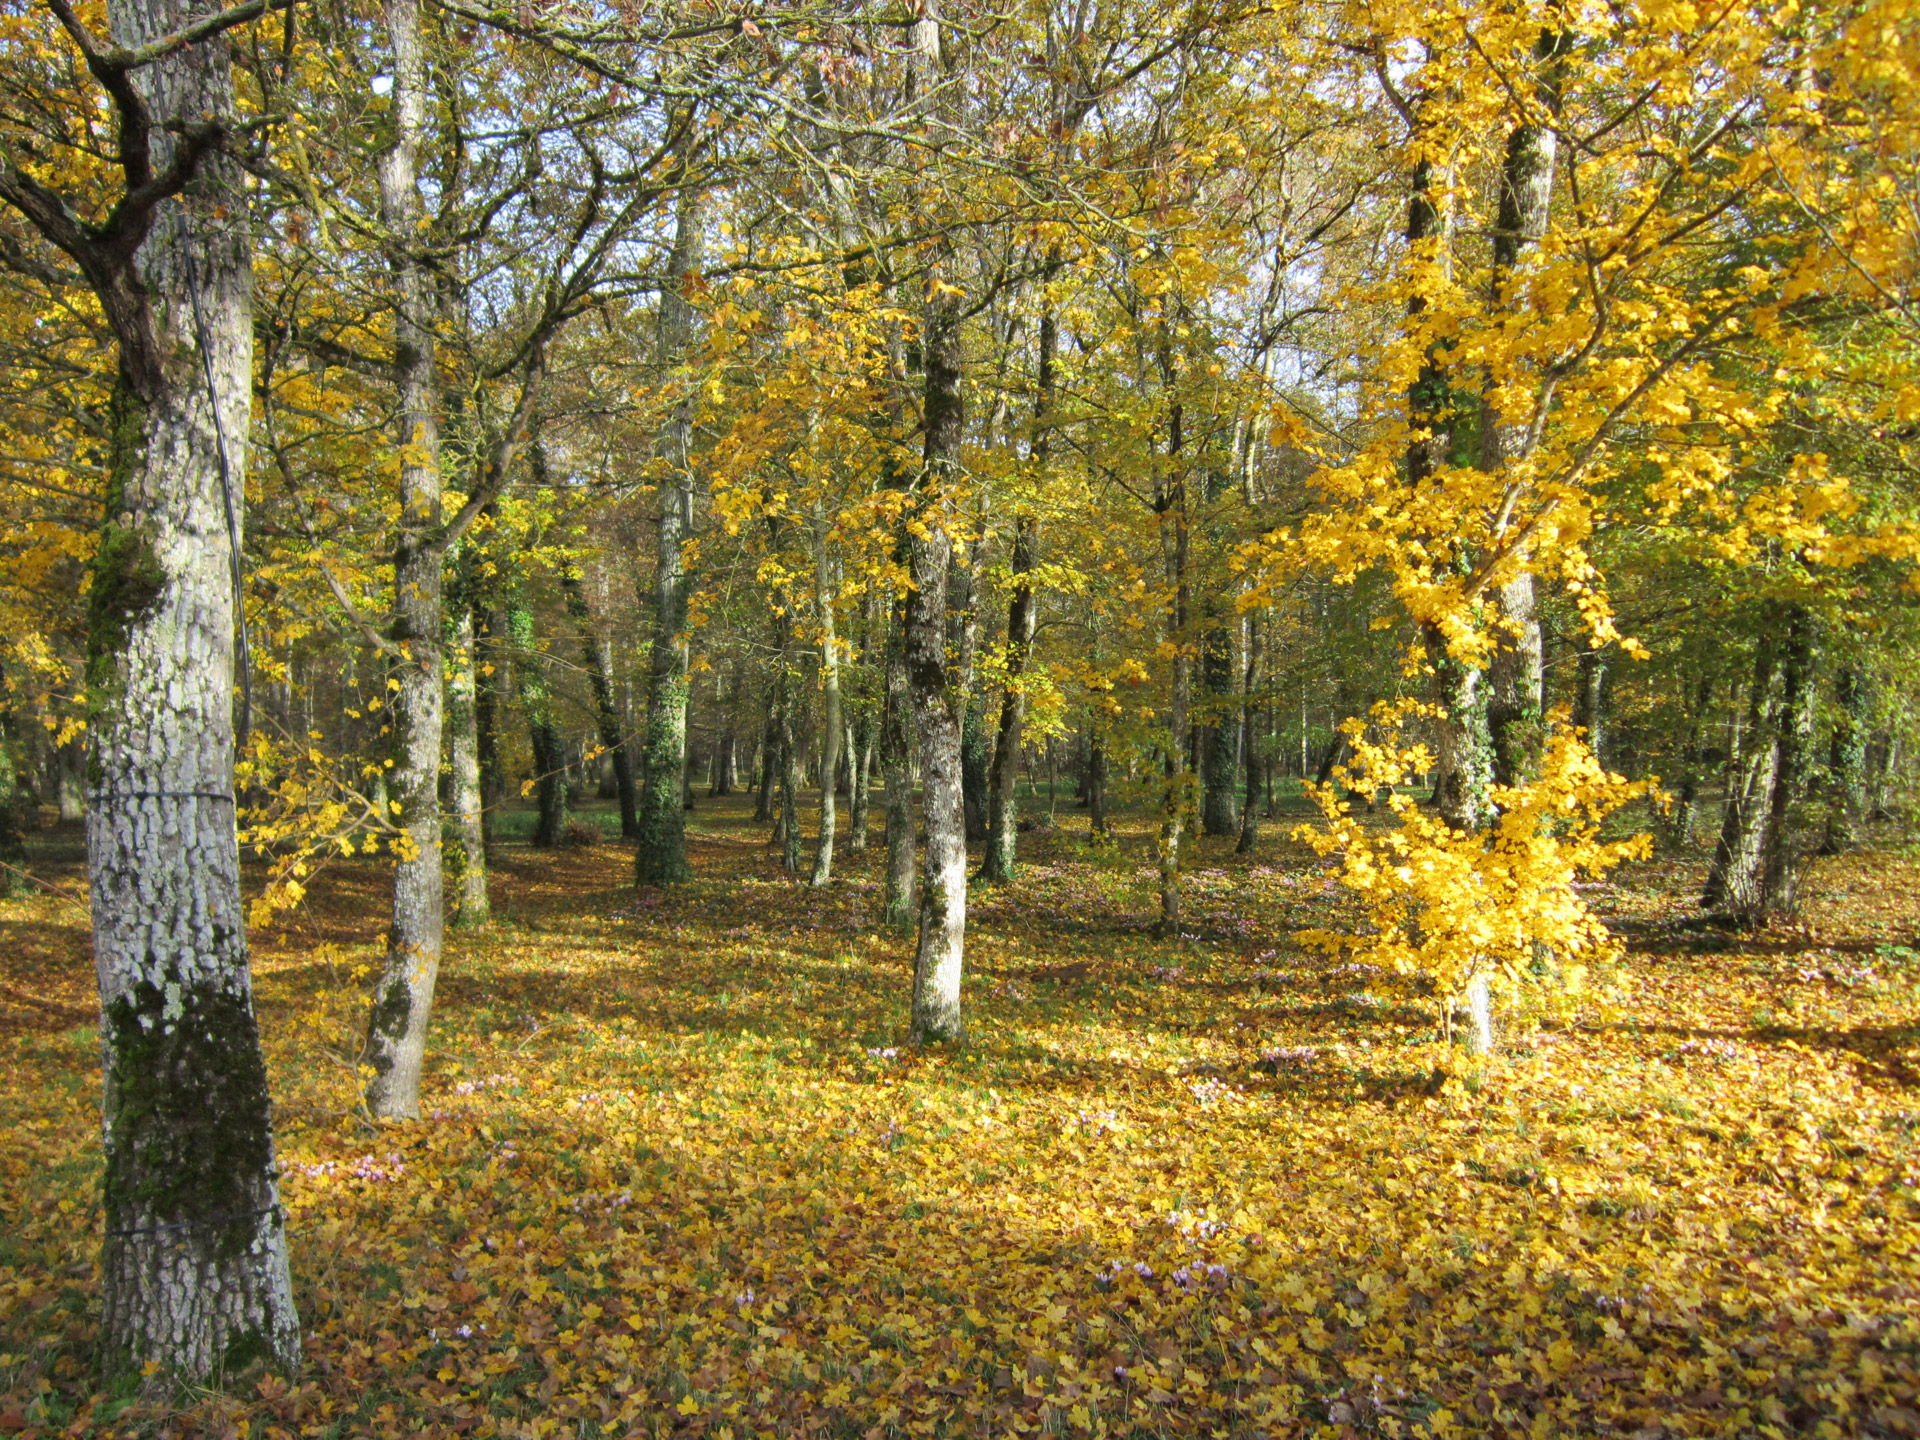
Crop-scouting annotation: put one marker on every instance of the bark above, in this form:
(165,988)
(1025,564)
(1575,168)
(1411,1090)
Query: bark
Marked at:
(194,1276)
(1097,782)
(1218,762)
(1463,748)
(397,1027)
(492,666)
(16,803)
(596,650)
(662,855)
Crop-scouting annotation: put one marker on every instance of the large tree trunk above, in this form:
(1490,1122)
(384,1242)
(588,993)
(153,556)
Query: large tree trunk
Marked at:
(397,1029)
(662,856)
(596,650)
(940,955)
(194,1277)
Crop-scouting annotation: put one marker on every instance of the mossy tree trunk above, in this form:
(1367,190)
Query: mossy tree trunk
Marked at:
(194,1277)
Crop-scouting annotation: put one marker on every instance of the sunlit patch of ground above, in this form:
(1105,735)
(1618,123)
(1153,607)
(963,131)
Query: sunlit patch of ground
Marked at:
(682,1174)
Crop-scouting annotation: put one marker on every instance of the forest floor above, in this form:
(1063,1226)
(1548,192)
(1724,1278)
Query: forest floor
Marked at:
(680,1172)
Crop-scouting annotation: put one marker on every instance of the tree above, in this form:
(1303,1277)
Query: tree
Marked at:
(194,1272)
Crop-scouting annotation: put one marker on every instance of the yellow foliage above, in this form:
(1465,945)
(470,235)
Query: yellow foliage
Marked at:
(1453,905)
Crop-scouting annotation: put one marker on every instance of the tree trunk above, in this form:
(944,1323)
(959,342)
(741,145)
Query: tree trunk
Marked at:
(1171,501)
(1686,803)
(596,650)
(1516,723)
(896,764)
(397,1028)
(194,1277)
(833,725)
(662,855)
(769,758)
(1847,798)
(1251,760)
(859,810)
(940,954)
(1002,804)
(468,842)
(787,743)
(1788,847)
(543,731)
(1735,882)
(1218,764)
(1590,708)
(1463,749)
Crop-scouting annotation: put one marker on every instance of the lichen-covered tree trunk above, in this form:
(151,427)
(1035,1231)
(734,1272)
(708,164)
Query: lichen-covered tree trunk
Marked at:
(596,651)
(403,1000)
(939,958)
(661,858)
(194,1277)
(1590,701)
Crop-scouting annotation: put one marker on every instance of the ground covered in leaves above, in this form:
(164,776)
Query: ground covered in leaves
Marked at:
(682,1175)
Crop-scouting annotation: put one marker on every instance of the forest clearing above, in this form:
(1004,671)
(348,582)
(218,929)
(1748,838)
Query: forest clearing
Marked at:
(907,717)
(681,1172)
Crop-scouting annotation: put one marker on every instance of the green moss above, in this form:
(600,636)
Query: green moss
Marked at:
(187,1112)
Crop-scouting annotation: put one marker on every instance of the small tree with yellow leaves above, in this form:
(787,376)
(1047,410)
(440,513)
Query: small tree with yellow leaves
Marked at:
(1470,910)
